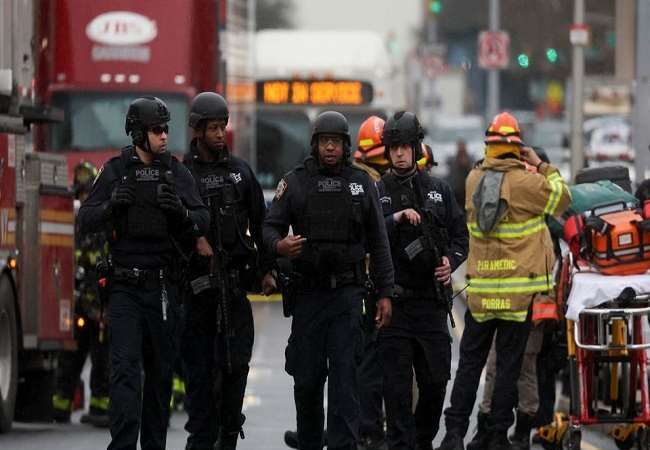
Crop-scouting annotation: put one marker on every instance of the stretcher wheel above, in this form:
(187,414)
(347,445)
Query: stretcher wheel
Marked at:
(631,435)
(572,439)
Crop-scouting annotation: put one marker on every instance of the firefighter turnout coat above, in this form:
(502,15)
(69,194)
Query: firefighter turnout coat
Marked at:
(512,261)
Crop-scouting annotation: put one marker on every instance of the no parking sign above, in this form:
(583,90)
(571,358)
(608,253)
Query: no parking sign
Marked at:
(493,49)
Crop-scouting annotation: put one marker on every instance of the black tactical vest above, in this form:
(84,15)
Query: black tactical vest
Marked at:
(332,223)
(145,220)
(419,270)
(221,188)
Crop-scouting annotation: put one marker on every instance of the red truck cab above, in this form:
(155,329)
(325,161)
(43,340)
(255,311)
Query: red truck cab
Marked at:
(95,57)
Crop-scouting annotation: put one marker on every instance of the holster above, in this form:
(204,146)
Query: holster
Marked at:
(286,279)
(104,272)
(369,305)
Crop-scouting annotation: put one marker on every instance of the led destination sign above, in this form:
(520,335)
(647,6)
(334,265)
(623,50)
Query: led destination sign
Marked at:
(314,92)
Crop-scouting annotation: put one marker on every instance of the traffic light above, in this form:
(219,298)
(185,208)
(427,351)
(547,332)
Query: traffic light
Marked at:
(523,60)
(551,55)
(435,6)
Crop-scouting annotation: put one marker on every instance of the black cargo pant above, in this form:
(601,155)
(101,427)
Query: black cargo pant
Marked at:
(214,396)
(141,339)
(370,387)
(325,343)
(511,339)
(416,340)
(70,365)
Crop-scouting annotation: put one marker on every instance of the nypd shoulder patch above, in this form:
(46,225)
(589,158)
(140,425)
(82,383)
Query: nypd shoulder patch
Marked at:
(282,187)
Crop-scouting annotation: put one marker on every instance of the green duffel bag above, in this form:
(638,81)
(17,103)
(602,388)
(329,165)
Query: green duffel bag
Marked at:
(587,196)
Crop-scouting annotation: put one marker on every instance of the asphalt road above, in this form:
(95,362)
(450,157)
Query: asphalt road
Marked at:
(269,404)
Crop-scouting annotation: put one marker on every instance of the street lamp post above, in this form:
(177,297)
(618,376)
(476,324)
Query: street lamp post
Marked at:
(577,116)
(493,74)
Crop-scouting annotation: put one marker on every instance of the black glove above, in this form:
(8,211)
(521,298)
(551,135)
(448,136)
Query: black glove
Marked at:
(122,196)
(170,202)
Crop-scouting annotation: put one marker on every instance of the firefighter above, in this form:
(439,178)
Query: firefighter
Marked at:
(427,161)
(528,402)
(90,333)
(417,208)
(370,155)
(336,219)
(150,204)
(510,262)
(370,158)
(218,338)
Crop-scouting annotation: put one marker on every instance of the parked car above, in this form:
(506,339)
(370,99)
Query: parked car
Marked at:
(611,141)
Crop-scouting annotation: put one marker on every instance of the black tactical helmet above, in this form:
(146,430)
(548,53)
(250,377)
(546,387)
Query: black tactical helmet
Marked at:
(331,122)
(206,106)
(403,128)
(145,112)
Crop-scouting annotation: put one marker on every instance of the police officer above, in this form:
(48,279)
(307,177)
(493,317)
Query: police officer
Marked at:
(151,204)
(336,219)
(417,338)
(89,331)
(218,339)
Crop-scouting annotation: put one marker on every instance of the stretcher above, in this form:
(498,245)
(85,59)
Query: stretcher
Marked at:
(607,328)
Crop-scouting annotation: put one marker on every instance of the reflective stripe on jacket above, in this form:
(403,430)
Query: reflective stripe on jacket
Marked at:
(511,263)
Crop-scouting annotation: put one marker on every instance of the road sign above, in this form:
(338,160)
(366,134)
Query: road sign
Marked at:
(579,34)
(493,49)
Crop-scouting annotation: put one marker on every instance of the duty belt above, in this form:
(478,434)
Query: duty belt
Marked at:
(312,280)
(405,293)
(148,278)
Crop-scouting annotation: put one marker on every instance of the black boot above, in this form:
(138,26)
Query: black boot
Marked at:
(372,442)
(291,438)
(521,439)
(480,439)
(227,441)
(452,441)
(499,441)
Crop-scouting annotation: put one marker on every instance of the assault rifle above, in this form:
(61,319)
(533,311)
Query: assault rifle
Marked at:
(434,239)
(221,278)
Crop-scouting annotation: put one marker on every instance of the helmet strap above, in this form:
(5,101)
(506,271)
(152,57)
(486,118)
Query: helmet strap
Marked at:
(146,146)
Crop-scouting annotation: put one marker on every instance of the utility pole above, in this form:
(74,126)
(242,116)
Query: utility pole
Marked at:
(641,109)
(492,107)
(579,38)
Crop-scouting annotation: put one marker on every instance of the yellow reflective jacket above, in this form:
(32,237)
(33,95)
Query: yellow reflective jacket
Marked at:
(371,171)
(509,264)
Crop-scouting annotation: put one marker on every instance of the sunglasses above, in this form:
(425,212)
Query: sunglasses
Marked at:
(160,129)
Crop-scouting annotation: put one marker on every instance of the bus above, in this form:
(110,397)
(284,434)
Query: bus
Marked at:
(299,74)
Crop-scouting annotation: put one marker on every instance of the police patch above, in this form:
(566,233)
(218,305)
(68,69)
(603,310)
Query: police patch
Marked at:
(435,196)
(236,177)
(356,189)
(385,200)
(329,185)
(101,169)
(279,191)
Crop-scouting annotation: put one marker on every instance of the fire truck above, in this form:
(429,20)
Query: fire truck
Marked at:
(68,71)
(36,230)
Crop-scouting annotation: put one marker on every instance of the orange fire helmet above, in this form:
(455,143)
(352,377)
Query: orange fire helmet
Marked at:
(369,141)
(427,161)
(504,129)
